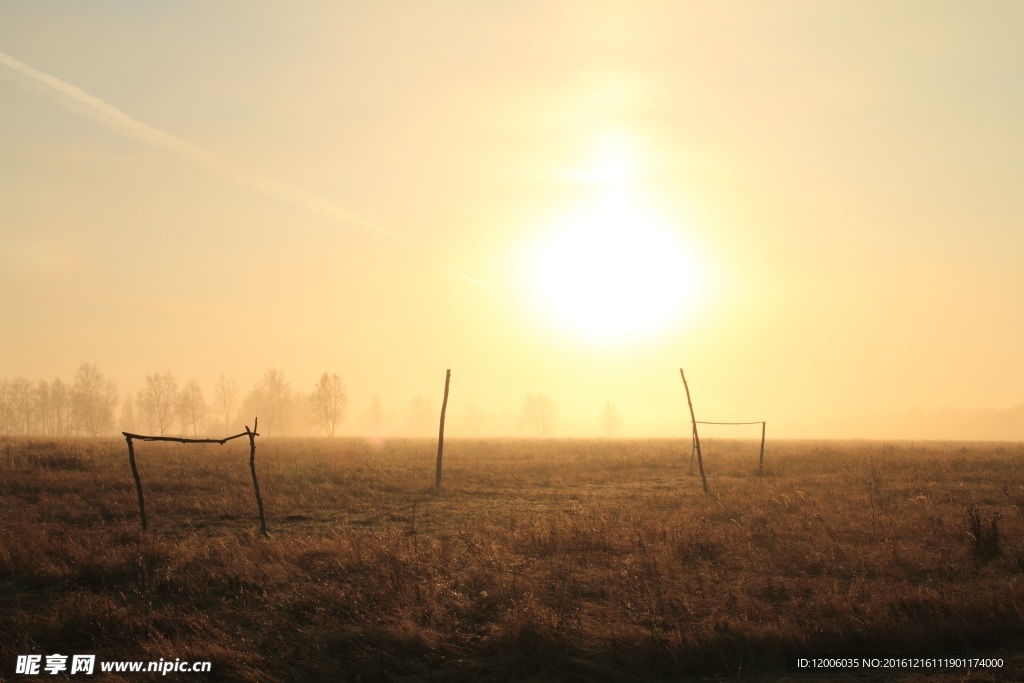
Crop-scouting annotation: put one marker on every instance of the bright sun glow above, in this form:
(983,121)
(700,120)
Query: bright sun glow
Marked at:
(613,272)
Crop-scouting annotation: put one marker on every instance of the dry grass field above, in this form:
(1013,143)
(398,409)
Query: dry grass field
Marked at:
(538,560)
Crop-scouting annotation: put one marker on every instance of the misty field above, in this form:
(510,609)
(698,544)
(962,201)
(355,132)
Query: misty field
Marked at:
(537,560)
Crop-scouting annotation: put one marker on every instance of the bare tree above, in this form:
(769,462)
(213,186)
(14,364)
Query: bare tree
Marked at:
(540,414)
(329,402)
(144,412)
(42,407)
(225,395)
(193,406)
(255,404)
(611,420)
(20,397)
(270,399)
(278,393)
(128,415)
(61,406)
(93,398)
(158,400)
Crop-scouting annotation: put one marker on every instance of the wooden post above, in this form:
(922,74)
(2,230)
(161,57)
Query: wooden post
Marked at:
(440,433)
(693,450)
(696,438)
(252,468)
(138,481)
(760,469)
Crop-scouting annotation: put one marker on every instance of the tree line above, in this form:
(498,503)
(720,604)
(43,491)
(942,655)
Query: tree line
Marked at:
(89,405)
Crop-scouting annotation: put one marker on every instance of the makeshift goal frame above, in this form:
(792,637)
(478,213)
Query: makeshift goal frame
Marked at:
(250,433)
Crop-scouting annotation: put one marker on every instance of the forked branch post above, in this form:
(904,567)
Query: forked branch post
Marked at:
(138,481)
(252,468)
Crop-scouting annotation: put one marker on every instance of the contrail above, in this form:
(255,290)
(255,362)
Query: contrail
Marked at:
(75,99)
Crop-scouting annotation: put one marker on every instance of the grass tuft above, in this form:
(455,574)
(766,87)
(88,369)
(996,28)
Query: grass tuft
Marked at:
(984,535)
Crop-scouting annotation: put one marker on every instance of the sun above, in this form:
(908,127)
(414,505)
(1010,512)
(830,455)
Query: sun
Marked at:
(613,271)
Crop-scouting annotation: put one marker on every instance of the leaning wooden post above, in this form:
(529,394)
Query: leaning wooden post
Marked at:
(696,438)
(693,450)
(440,433)
(252,468)
(760,469)
(138,481)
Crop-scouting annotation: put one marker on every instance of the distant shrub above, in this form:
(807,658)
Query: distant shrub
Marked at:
(62,456)
(986,543)
(47,455)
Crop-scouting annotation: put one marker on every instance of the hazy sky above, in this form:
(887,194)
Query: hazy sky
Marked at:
(815,208)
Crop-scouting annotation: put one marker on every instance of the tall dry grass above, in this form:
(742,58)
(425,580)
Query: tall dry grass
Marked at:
(543,560)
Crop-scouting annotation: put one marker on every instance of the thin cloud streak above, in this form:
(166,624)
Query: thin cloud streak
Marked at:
(78,101)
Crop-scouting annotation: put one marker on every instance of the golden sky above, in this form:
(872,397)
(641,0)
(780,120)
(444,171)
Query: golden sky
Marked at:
(814,208)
